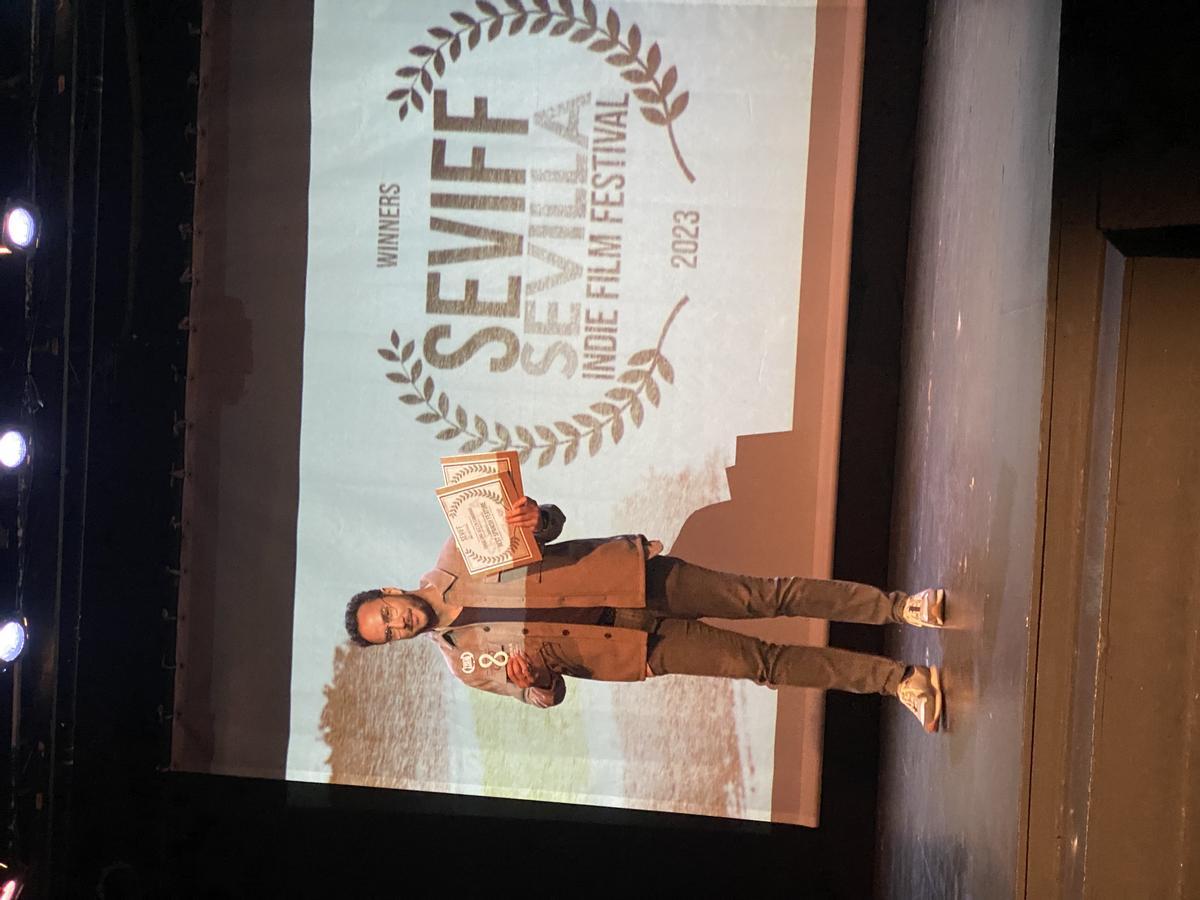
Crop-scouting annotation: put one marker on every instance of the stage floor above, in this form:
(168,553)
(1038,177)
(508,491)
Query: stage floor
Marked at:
(965,511)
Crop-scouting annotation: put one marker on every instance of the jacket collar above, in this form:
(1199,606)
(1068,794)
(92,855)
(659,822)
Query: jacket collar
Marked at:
(438,579)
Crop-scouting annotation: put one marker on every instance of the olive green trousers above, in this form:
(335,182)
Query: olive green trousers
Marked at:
(679,593)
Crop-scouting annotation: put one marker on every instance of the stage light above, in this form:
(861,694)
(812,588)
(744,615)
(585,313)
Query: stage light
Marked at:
(12,880)
(21,227)
(14,448)
(12,639)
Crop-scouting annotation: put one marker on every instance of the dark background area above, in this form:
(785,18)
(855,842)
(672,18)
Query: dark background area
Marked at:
(94,806)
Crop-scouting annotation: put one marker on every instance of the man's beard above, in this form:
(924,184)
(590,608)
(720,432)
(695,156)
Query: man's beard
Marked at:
(430,615)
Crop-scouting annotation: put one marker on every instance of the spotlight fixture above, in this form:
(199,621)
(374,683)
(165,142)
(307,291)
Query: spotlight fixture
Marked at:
(14,448)
(12,880)
(13,632)
(21,228)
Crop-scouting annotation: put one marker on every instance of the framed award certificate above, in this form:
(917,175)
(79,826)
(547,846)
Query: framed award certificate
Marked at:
(456,469)
(475,510)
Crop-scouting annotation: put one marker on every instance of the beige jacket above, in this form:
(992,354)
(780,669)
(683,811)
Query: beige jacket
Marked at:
(593,572)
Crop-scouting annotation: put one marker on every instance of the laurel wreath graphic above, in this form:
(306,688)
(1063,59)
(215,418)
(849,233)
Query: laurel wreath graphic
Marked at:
(514,541)
(466,473)
(624,53)
(605,417)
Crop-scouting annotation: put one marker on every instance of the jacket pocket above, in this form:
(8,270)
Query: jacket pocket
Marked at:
(520,573)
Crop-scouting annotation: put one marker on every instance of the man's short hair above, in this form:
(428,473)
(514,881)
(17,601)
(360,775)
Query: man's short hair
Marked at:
(352,615)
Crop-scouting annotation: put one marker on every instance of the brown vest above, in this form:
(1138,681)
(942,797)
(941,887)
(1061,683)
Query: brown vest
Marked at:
(594,572)
(590,572)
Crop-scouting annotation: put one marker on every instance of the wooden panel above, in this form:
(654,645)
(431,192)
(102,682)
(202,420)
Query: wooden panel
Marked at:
(1144,795)
(1080,413)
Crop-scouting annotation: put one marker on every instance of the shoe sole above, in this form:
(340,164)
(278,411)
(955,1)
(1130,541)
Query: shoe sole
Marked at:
(936,678)
(938,609)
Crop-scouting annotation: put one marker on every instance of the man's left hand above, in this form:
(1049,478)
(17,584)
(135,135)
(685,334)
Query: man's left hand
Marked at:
(523,673)
(524,514)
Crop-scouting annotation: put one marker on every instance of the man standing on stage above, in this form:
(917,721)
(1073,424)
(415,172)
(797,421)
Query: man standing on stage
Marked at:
(614,609)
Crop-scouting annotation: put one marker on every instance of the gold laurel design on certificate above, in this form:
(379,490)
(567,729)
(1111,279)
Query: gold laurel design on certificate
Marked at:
(606,417)
(466,473)
(623,52)
(514,543)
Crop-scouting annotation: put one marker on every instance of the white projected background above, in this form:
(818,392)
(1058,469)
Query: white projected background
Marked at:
(512,227)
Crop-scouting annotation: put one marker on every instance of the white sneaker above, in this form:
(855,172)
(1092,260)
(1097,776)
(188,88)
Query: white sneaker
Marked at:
(926,609)
(921,692)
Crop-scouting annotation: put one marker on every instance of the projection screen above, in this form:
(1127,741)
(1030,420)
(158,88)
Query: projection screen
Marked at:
(612,237)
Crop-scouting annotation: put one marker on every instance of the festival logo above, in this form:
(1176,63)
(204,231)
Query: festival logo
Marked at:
(542,330)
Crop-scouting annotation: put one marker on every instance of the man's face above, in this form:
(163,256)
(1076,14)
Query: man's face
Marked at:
(395,616)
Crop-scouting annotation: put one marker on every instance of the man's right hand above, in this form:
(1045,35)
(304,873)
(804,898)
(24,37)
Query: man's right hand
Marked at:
(526,514)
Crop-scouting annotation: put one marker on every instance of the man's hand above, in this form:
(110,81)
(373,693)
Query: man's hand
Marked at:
(522,673)
(525,514)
